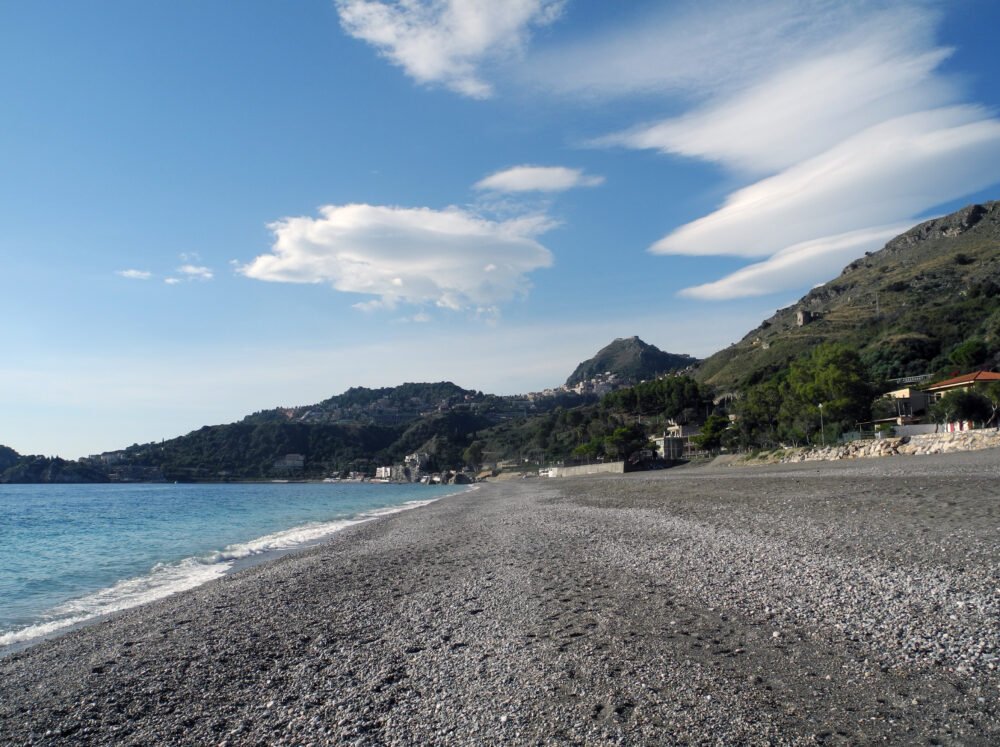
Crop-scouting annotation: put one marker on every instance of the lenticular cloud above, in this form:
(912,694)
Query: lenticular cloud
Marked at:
(538,179)
(859,132)
(448,258)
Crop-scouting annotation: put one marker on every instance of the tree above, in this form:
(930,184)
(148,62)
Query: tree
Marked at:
(712,432)
(669,397)
(969,354)
(962,404)
(473,455)
(626,441)
(757,414)
(992,394)
(834,376)
(588,450)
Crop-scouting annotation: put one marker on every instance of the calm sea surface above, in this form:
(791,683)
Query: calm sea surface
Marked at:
(69,553)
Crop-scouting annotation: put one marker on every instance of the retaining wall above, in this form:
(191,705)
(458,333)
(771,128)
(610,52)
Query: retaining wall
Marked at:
(932,443)
(608,468)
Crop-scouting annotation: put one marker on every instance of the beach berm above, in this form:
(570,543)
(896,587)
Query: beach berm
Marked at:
(814,603)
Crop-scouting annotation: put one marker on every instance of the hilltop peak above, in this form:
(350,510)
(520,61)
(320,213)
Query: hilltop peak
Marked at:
(632,360)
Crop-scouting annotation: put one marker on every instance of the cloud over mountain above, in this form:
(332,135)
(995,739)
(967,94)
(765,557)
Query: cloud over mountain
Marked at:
(834,116)
(799,264)
(448,258)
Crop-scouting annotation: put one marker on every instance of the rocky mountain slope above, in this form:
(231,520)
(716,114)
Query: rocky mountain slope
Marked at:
(928,301)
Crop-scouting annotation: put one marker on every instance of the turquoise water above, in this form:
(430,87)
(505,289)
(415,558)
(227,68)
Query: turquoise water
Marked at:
(69,553)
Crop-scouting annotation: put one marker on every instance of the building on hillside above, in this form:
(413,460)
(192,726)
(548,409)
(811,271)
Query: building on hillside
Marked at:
(676,430)
(910,404)
(669,448)
(965,381)
(675,441)
(290,462)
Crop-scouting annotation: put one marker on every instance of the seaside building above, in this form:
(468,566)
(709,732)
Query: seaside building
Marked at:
(965,381)
(669,448)
(909,404)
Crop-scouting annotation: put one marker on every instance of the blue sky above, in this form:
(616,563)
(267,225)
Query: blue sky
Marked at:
(213,208)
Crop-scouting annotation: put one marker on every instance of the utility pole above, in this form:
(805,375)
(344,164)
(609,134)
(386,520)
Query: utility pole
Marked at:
(822,430)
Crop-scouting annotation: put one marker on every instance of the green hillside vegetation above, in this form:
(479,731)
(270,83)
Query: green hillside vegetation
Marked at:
(15,468)
(614,428)
(406,399)
(8,458)
(253,450)
(632,360)
(928,302)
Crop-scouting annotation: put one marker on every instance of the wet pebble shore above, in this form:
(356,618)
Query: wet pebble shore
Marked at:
(837,603)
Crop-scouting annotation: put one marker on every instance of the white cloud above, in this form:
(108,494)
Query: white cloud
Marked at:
(171,281)
(135,274)
(196,272)
(709,48)
(801,111)
(407,255)
(886,174)
(803,264)
(445,41)
(538,179)
(836,113)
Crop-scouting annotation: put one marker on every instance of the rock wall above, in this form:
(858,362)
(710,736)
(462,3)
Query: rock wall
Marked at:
(932,443)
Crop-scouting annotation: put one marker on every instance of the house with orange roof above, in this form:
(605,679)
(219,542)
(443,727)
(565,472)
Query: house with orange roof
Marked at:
(965,381)
(959,383)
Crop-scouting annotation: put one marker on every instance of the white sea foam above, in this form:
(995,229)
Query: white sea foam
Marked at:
(288,539)
(163,580)
(169,578)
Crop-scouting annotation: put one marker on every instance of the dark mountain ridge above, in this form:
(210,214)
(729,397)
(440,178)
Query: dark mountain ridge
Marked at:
(631,360)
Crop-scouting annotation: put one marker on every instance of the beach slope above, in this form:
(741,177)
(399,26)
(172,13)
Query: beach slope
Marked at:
(835,603)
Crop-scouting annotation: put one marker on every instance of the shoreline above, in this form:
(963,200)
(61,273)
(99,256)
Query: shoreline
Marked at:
(808,603)
(225,566)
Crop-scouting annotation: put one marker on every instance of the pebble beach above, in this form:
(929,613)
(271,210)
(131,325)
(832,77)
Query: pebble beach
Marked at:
(813,603)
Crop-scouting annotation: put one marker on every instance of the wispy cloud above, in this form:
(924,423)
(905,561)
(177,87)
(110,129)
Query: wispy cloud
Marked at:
(135,274)
(798,265)
(186,272)
(196,272)
(801,111)
(715,48)
(885,174)
(538,179)
(445,41)
(835,113)
(450,258)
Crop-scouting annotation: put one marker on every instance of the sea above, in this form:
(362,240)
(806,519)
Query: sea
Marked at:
(72,553)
